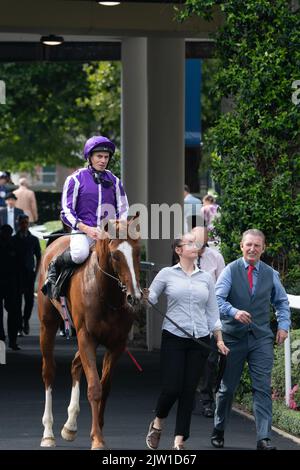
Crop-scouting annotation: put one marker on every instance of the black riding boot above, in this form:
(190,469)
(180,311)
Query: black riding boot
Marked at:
(56,269)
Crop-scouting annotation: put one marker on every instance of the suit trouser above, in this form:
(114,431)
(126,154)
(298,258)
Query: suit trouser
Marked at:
(8,298)
(182,361)
(27,290)
(259,355)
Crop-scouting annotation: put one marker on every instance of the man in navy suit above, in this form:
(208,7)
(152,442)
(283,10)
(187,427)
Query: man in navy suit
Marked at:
(245,290)
(9,215)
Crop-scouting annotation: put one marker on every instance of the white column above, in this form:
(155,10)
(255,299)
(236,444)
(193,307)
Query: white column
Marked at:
(166,61)
(287,368)
(134,121)
(153,136)
(165,131)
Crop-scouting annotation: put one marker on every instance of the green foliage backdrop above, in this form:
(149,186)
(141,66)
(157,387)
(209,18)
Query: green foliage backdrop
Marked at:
(255,147)
(52,108)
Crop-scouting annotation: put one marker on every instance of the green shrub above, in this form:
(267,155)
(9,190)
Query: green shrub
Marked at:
(255,148)
(286,419)
(283,418)
(278,377)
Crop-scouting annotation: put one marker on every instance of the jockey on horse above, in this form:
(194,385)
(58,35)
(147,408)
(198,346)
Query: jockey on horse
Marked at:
(89,195)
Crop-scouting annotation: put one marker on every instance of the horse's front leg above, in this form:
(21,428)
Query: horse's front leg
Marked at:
(87,350)
(109,361)
(69,430)
(47,337)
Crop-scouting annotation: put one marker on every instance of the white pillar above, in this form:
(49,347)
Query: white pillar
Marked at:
(166,62)
(134,122)
(153,136)
(287,368)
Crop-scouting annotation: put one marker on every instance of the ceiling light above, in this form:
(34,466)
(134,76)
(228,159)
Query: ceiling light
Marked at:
(109,4)
(52,40)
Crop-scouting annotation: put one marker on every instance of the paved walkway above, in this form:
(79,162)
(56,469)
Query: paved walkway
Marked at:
(129,410)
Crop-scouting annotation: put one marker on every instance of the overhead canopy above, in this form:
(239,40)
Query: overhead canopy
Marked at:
(86,17)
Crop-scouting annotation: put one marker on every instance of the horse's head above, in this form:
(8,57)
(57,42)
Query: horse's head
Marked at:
(124,248)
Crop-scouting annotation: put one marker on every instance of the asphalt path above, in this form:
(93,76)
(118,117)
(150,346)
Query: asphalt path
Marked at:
(129,409)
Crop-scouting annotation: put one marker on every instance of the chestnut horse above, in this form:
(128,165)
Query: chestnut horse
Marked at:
(103,296)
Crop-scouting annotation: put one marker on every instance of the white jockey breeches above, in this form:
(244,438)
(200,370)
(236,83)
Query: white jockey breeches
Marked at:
(80,247)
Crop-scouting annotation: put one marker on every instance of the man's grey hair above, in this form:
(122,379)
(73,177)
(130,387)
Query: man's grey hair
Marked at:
(23,181)
(256,233)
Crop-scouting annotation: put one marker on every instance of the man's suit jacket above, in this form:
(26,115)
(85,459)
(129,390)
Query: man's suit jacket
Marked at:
(3,216)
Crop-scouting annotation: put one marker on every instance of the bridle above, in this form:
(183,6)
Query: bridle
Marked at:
(117,279)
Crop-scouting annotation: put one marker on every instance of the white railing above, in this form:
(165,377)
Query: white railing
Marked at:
(2,352)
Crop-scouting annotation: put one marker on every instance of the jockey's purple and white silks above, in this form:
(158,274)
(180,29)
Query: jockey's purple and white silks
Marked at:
(83,200)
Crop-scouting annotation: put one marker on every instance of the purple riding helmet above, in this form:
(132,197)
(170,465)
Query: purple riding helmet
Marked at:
(98,143)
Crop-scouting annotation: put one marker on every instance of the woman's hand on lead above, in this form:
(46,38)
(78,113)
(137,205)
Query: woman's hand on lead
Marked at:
(222,348)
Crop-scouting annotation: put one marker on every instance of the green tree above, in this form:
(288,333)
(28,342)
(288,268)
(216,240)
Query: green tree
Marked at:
(40,122)
(210,108)
(104,98)
(255,148)
(52,108)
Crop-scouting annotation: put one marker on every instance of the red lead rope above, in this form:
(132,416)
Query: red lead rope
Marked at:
(134,360)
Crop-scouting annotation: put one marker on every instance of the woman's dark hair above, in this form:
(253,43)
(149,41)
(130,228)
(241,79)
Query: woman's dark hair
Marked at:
(175,258)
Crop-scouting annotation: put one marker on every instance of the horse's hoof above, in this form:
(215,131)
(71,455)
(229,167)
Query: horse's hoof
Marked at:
(100,447)
(68,435)
(48,442)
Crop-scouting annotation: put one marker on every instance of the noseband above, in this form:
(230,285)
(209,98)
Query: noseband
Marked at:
(115,278)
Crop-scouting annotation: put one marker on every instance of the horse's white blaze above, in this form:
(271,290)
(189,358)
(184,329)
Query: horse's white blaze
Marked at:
(73,408)
(126,249)
(48,416)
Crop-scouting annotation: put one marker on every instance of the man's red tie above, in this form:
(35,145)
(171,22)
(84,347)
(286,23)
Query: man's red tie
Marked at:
(250,276)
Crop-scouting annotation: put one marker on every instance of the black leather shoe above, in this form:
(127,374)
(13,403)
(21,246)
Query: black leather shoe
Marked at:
(208,411)
(217,438)
(14,347)
(265,444)
(26,328)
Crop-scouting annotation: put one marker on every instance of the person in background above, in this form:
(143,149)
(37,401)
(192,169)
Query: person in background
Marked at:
(192,207)
(9,215)
(26,200)
(245,291)
(29,258)
(211,261)
(192,305)
(10,185)
(209,212)
(9,277)
(3,188)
